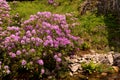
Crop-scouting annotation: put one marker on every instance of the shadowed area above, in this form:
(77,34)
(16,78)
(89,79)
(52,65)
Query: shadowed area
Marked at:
(111,9)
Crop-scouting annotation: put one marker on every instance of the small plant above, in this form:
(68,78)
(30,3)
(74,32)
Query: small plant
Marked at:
(92,67)
(89,67)
(85,46)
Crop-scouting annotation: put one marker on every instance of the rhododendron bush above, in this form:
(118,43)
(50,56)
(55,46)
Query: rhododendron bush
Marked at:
(4,12)
(38,45)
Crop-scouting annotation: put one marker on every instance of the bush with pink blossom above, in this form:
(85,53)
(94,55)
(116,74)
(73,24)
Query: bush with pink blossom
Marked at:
(4,13)
(38,45)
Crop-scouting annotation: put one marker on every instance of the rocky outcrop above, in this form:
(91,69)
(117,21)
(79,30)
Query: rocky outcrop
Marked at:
(117,59)
(111,59)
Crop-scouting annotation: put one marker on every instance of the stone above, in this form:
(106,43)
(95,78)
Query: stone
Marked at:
(111,52)
(116,55)
(107,59)
(82,60)
(80,71)
(74,67)
(75,56)
(75,73)
(116,69)
(71,74)
(104,74)
(73,60)
(110,58)
(116,58)
(92,51)
(103,59)
(80,67)
(67,58)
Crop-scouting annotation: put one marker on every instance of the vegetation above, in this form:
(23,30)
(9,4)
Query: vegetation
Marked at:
(92,28)
(92,67)
(36,35)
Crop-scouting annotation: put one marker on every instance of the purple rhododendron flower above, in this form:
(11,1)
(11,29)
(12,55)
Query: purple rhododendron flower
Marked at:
(37,44)
(13,55)
(28,34)
(23,62)
(9,48)
(18,52)
(38,40)
(33,39)
(48,31)
(42,71)
(40,62)
(0,62)
(27,40)
(4,12)
(58,59)
(59,55)
(46,42)
(33,31)
(24,50)
(55,56)
(22,42)
(28,27)
(32,51)
(8,71)
(6,67)
(24,37)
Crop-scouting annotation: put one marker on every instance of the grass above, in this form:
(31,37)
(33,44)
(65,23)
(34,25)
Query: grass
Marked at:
(93,29)
(27,8)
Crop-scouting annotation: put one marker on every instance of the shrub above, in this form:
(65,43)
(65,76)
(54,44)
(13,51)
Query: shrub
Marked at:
(38,45)
(4,13)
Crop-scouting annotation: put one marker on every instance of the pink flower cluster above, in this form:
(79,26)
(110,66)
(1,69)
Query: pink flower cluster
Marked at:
(50,1)
(41,33)
(4,69)
(51,29)
(4,12)
(57,57)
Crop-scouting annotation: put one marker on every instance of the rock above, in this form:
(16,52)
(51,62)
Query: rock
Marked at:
(74,60)
(80,67)
(111,52)
(103,59)
(75,73)
(110,58)
(92,51)
(96,58)
(71,74)
(104,74)
(116,55)
(80,71)
(74,67)
(116,69)
(75,56)
(50,77)
(82,60)
(67,58)
(116,58)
